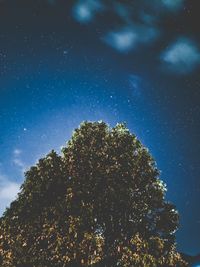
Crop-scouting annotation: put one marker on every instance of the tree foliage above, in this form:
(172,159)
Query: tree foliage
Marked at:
(100,202)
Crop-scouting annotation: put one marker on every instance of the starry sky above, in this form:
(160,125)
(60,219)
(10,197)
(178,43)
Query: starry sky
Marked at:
(62,62)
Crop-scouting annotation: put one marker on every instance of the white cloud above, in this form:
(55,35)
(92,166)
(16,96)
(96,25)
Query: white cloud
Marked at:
(183,56)
(123,40)
(85,10)
(129,38)
(8,192)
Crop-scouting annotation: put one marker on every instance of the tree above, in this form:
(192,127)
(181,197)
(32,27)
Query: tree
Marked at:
(100,202)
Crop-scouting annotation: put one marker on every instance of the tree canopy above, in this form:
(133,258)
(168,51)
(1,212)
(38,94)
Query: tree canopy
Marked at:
(99,203)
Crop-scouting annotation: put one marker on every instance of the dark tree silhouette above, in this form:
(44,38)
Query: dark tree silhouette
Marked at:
(101,202)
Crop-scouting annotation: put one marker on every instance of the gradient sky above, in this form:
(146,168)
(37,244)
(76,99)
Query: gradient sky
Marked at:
(62,62)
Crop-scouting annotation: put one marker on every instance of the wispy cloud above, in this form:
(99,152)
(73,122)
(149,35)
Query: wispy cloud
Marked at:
(162,6)
(8,191)
(135,83)
(138,24)
(183,56)
(17,151)
(17,160)
(173,4)
(9,188)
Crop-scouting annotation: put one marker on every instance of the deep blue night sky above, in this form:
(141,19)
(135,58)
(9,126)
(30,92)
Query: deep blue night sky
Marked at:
(62,62)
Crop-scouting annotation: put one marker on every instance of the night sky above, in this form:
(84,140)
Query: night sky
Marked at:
(62,62)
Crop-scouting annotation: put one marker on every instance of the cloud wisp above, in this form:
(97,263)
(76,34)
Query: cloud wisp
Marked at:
(18,162)
(8,192)
(9,188)
(135,83)
(173,4)
(183,56)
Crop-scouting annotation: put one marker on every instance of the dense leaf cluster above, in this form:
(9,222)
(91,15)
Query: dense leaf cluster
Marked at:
(101,202)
